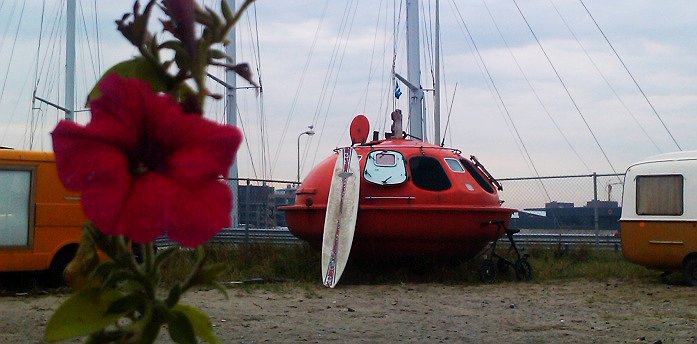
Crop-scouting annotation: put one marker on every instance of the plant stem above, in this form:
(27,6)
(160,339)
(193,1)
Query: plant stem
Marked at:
(149,258)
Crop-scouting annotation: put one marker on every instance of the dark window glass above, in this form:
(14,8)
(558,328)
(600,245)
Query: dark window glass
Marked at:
(427,173)
(478,177)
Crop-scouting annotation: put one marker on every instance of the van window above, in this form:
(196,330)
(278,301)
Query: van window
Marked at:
(385,168)
(659,195)
(428,173)
(15,188)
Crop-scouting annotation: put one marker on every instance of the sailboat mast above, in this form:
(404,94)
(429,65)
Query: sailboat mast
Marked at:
(70,62)
(231,110)
(416,95)
(436,81)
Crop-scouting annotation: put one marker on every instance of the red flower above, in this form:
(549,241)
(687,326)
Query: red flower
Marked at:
(145,168)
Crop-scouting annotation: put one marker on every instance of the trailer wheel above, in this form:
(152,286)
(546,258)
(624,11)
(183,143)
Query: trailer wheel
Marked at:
(523,270)
(487,271)
(502,266)
(690,271)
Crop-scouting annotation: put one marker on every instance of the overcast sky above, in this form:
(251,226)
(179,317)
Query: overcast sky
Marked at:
(321,62)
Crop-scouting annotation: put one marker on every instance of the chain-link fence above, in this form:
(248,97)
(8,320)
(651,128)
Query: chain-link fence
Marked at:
(258,200)
(570,208)
(578,202)
(589,202)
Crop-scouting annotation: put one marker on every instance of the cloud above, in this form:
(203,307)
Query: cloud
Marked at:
(658,49)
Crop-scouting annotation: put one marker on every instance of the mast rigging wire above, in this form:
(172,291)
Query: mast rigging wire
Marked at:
(479,63)
(500,97)
(631,76)
(333,72)
(602,75)
(89,45)
(385,78)
(568,93)
(12,52)
(96,33)
(9,63)
(246,142)
(534,91)
(298,89)
(447,121)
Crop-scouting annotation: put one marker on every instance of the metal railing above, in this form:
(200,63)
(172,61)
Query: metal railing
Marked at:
(281,236)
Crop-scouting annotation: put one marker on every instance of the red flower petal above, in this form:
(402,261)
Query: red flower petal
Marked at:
(207,212)
(199,149)
(84,161)
(145,168)
(159,205)
(209,154)
(147,212)
(103,177)
(118,114)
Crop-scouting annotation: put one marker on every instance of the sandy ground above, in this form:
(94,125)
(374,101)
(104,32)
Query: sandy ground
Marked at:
(561,312)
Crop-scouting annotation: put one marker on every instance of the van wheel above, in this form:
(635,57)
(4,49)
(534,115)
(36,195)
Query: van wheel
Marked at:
(54,274)
(690,271)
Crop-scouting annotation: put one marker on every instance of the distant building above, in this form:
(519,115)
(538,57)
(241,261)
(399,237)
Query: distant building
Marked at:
(255,206)
(559,215)
(557,205)
(280,198)
(258,205)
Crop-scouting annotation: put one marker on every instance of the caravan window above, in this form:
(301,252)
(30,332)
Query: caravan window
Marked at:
(15,188)
(659,195)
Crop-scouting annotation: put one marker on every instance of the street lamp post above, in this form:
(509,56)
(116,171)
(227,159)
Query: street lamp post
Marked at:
(308,133)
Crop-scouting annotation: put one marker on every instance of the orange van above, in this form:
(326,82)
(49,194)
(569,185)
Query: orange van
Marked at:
(40,221)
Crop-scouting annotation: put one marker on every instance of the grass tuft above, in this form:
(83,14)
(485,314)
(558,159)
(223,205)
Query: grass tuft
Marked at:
(299,266)
(583,262)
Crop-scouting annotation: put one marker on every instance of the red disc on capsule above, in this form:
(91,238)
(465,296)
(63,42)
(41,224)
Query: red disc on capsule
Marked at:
(359,129)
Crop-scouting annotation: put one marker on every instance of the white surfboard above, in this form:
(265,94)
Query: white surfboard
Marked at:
(340,219)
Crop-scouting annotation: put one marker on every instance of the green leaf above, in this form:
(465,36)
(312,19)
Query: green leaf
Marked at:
(150,332)
(217,54)
(174,295)
(200,321)
(217,22)
(163,255)
(227,11)
(220,288)
(83,313)
(180,328)
(139,68)
(127,304)
(208,274)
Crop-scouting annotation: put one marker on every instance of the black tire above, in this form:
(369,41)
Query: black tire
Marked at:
(54,277)
(487,271)
(502,266)
(690,271)
(523,270)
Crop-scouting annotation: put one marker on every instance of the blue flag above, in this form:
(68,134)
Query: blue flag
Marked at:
(397,91)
